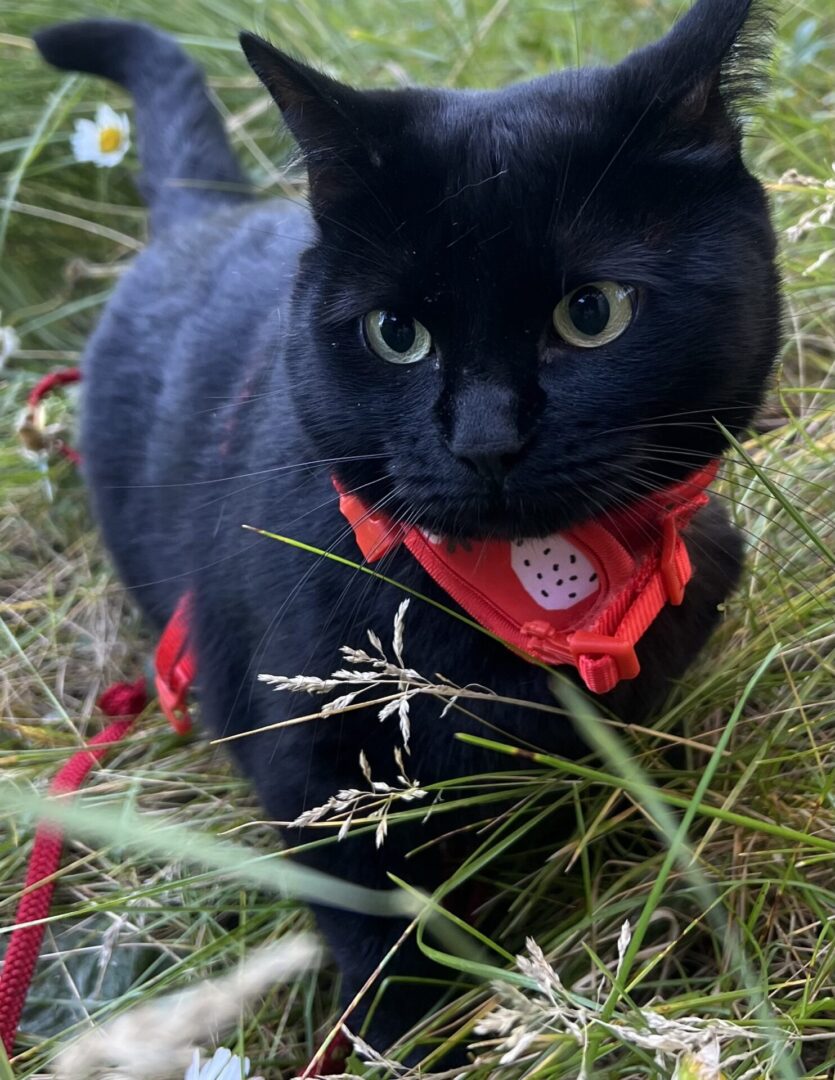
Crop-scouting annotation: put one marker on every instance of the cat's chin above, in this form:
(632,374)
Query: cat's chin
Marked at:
(481,519)
(517,513)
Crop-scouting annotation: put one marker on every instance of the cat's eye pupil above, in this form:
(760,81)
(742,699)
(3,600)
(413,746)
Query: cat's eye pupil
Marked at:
(589,310)
(397,331)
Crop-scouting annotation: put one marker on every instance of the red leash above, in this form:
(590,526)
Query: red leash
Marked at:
(31,429)
(124,700)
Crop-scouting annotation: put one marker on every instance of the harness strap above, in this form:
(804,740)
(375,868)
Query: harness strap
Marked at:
(604,651)
(175,667)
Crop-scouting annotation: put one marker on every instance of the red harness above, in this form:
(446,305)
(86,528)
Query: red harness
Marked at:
(583,597)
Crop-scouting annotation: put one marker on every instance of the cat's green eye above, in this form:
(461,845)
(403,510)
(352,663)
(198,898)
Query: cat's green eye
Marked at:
(595,314)
(400,339)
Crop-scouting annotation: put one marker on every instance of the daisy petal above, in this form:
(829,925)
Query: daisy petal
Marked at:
(84,146)
(233,1070)
(9,344)
(106,116)
(110,157)
(193,1071)
(224,1065)
(216,1068)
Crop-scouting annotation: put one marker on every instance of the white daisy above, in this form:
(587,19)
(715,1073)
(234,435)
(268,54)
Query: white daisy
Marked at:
(224,1066)
(9,344)
(105,140)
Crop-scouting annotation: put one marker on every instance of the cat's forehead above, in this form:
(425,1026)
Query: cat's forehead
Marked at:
(463,152)
(471,163)
(523,118)
(566,101)
(508,194)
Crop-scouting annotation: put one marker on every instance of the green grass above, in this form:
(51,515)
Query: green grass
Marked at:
(723,865)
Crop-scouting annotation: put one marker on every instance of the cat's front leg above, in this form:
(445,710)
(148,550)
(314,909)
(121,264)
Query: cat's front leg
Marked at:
(387,984)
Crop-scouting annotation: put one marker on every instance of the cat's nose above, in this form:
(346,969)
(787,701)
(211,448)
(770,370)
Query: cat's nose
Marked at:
(491,467)
(488,431)
(489,426)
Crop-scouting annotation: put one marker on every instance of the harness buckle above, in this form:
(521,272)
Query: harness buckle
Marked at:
(541,641)
(585,645)
(172,691)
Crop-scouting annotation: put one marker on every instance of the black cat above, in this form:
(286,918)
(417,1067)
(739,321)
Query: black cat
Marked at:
(504,313)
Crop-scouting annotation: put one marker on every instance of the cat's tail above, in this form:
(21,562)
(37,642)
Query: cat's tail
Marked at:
(187,163)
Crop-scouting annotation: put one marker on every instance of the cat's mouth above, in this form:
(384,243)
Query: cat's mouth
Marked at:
(522,509)
(501,516)
(524,512)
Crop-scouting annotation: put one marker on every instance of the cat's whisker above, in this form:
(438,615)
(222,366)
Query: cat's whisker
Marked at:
(774,556)
(632,496)
(402,521)
(186,575)
(691,458)
(707,424)
(466,187)
(556,209)
(273,470)
(397,522)
(629,510)
(334,496)
(660,456)
(261,645)
(707,413)
(604,172)
(365,238)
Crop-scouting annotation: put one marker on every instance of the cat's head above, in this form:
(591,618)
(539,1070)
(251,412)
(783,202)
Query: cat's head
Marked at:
(532,304)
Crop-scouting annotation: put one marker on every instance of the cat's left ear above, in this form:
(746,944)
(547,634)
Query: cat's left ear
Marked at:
(338,128)
(688,89)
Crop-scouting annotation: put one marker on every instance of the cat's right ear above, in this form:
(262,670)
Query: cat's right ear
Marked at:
(689,89)
(332,123)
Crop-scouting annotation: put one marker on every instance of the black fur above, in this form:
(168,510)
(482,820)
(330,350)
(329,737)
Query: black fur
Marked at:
(231,355)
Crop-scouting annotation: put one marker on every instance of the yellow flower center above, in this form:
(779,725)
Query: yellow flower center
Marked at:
(110,139)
